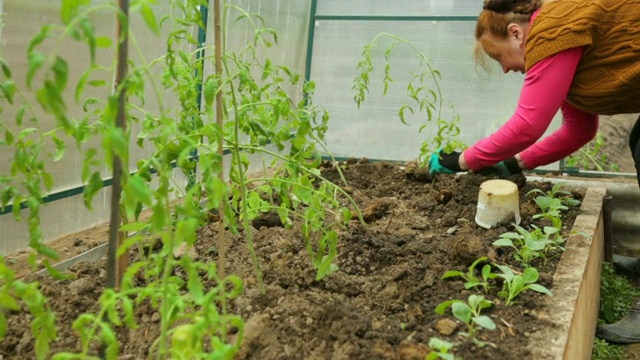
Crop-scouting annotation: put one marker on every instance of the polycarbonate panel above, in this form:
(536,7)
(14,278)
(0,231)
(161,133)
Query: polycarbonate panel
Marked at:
(399,7)
(22,19)
(289,19)
(483,101)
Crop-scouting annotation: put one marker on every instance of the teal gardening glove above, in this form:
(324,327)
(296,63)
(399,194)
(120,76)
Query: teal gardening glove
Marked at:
(443,163)
(507,167)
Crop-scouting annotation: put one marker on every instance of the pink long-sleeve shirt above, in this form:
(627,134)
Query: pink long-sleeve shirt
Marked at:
(545,90)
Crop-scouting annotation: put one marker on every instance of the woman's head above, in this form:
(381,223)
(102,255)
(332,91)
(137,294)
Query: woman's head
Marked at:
(501,32)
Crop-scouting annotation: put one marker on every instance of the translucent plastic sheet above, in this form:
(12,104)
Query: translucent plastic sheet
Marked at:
(289,19)
(22,19)
(483,101)
(400,7)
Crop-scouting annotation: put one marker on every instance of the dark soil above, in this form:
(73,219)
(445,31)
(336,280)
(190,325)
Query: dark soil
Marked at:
(379,305)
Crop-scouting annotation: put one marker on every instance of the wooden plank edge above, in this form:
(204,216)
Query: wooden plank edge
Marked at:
(573,308)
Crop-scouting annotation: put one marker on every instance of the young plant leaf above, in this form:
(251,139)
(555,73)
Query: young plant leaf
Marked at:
(485,322)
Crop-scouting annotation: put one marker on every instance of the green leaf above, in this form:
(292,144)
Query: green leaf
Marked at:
(141,189)
(60,72)
(3,325)
(194,284)
(442,307)
(150,18)
(103,42)
(97,83)
(511,235)
(401,113)
(530,275)
(128,243)
(20,114)
(35,59)
(541,289)
(210,89)
(110,339)
(55,273)
(485,322)
(39,38)
(61,148)
(346,215)
(89,33)
(550,230)
(47,251)
(486,272)
(507,273)
(461,311)
(9,90)
(8,302)
(503,242)
(453,273)
(6,70)
(186,230)
(572,202)
(128,312)
(115,140)
(475,300)
(70,9)
(134,226)
(92,188)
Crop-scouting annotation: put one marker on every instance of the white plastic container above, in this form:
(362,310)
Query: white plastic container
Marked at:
(498,203)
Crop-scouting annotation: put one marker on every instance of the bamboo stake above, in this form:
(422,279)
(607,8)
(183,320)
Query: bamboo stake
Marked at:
(222,243)
(116,266)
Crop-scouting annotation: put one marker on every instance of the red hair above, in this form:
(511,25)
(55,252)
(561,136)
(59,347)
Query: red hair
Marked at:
(494,21)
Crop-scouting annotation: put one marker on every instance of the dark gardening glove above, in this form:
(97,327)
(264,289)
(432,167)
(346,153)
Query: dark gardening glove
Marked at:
(443,163)
(508,167)
(503,168)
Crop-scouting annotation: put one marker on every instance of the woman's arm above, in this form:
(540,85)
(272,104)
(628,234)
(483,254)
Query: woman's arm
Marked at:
(578,128)
(544,91)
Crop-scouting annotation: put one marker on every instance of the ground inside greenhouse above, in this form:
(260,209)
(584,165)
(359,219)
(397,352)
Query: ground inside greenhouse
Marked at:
(381,300)
(379,305)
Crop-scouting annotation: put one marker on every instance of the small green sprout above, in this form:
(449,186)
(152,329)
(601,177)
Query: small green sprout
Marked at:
(440,349)
(471,281)
(551,210)
(514,284)
(529,245)
(556,192)
(469,313)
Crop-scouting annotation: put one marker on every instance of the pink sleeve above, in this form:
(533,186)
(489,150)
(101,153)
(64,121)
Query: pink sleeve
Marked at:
(544,91)
(578,127)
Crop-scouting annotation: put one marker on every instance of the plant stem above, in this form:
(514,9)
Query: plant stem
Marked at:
(316,175)
(166,273)
(115,268)
(219,47)
(243,184)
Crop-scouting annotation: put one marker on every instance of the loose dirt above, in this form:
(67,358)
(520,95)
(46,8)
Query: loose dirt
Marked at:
(379,305)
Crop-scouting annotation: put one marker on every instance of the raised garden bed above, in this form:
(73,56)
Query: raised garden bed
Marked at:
(380,304)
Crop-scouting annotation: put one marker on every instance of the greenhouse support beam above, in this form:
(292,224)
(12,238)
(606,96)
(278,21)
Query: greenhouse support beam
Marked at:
(74,191)
(310,36)
(393,18)
(571,172)
(199,74)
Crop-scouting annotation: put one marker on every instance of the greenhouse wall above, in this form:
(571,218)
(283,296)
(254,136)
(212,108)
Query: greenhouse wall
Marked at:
(328,55)
(22,19)
(444,32)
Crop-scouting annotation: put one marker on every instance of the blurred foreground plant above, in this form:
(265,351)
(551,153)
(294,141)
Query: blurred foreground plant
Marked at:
(181,134)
